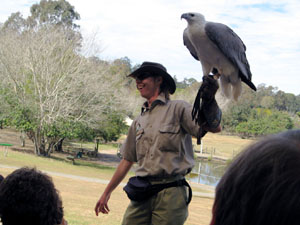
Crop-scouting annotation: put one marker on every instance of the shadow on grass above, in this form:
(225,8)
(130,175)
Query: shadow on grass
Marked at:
(92,162)
(85,162)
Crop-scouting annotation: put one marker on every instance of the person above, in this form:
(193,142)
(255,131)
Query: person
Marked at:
(28,196)
(262,184)
(159,141)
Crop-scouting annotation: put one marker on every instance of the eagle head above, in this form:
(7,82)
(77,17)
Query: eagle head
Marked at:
(192,17)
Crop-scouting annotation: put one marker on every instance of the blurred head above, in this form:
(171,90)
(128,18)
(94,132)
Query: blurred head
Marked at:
(262,184)
(28,196)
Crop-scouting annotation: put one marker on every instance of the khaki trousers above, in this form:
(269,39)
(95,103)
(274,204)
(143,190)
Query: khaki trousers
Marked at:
(168,207)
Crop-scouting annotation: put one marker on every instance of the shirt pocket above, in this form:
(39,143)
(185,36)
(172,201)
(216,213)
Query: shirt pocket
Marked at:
(169,138)
(140,148)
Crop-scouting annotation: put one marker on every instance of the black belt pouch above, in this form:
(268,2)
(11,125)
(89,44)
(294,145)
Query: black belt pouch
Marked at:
(140,188)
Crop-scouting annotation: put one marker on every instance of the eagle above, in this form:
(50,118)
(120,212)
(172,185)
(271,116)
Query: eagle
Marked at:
(220,51)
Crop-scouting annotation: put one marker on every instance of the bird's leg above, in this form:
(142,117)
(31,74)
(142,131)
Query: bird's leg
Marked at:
(216,74)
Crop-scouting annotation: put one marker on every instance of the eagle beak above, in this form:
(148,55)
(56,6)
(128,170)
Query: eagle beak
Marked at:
(184,16)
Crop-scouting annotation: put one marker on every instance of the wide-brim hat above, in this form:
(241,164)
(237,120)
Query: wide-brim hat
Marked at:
(158,70)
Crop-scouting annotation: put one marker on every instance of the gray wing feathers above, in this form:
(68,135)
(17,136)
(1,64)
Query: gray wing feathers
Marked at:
(189,45)
(232,47)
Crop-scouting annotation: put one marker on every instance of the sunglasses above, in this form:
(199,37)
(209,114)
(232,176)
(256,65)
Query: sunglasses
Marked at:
(145,75)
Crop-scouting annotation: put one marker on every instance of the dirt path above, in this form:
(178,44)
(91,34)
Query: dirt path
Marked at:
(105,157)
(96,180)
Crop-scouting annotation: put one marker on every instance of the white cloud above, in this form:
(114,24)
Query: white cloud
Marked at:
(152,30)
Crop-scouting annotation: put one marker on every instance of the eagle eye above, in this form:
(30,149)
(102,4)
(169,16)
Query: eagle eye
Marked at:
(192,14)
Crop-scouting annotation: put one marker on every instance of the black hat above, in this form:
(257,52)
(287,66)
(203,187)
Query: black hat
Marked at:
(156,69)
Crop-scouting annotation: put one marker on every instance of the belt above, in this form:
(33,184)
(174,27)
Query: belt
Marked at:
(175,181)
(159,180)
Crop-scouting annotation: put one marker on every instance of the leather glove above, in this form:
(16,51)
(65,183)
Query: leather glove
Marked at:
(206,111)
(209,88)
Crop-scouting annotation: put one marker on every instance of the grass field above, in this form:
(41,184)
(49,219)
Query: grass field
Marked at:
(226,146)
(80,195)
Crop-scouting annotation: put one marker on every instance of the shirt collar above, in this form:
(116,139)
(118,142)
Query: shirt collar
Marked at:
(161,99)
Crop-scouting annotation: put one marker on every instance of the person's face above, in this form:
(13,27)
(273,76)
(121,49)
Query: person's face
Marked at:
(148,86)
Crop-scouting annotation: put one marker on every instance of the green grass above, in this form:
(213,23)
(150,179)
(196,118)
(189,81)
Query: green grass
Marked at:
(56,164)
(79,197)
(225,146)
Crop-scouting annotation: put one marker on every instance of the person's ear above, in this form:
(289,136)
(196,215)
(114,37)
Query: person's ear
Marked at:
(159,79)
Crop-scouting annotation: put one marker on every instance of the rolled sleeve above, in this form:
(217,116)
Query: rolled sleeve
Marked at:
(128,149)
(186,120)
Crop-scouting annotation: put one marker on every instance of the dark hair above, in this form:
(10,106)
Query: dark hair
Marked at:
(262,184)
(291,135)
(164,88)
(28,196)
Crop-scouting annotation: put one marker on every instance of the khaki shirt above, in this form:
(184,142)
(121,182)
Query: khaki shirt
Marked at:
(160,141)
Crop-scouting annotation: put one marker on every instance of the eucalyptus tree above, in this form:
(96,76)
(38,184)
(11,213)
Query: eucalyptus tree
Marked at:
(60,13)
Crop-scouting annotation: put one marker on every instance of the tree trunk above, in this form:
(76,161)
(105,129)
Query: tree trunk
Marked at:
(39,143)
(50,148)
(42,146)
(58,145)
(35,140)
(22,138)
(96,146)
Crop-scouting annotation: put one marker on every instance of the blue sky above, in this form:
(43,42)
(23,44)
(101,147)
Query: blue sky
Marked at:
(152,31)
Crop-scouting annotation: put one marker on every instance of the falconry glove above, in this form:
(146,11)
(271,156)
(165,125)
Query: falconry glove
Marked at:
(206,111)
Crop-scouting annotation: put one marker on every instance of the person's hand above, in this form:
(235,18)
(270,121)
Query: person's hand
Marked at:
(209,88)
(101,205)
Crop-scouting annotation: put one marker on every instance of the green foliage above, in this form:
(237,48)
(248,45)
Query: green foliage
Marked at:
(264,121)
(185,83)
(112,128)
(263,112)
(69,129)
(15,22)
(235,115)
(21,119)
(59,12)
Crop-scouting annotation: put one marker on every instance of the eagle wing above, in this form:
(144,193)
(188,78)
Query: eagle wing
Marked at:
(231,45)
(189,45)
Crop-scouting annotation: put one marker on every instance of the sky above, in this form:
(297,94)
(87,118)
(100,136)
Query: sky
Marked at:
(152,31)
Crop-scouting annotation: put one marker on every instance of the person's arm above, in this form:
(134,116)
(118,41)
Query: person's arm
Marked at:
(120,173)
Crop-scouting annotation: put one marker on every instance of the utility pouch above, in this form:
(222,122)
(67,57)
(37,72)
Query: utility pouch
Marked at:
(140,188)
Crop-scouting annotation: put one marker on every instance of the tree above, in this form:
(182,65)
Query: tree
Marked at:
(48,12)
(267,102)
(15,23)
(60,13)
(47,82)
(264,121)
